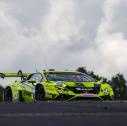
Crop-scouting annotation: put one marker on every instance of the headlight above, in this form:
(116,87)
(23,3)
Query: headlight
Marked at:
(105,90)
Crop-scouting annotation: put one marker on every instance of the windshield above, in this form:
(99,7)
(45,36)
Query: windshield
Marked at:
(69,77)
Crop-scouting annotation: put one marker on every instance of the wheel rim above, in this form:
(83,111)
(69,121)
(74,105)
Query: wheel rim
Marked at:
(40,94)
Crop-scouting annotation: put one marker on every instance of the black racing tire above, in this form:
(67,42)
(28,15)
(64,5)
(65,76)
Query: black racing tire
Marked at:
(39,93)
(8,94)
(108,98)
(20,97)
(112,98)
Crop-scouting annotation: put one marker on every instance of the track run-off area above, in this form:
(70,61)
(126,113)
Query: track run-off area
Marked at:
(71,113)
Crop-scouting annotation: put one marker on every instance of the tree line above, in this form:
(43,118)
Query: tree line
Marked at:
(1,93)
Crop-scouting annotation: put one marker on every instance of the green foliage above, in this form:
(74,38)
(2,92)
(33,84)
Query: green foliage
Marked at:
(1,93)
(119,86)
(82,69)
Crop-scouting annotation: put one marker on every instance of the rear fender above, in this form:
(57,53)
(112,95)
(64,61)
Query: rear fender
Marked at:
(15,87)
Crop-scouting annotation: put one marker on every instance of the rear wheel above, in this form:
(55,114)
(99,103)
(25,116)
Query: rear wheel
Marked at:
(8,94)
(39,93)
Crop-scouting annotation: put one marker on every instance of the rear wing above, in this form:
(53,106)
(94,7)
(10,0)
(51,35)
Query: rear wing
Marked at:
(19,74)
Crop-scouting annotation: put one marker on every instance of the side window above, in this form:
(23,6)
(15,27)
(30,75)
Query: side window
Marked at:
(37,76)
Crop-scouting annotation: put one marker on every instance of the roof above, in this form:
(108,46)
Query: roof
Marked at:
(59,71)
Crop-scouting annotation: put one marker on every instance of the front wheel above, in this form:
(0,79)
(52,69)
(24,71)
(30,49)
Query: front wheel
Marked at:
(108,98)
(39,93)
(112,97)
(8,94)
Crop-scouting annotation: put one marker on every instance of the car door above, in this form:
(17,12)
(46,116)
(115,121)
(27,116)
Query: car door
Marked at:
(31,86)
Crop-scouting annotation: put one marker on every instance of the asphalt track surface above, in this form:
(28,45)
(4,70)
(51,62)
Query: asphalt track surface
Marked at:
(58,113)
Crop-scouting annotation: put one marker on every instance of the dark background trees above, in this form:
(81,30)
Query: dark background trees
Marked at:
(1,93)
(119,87)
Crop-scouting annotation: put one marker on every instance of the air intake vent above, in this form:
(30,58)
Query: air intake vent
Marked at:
(79,84)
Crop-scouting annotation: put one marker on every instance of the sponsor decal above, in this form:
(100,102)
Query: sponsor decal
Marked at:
(87,95)
(48,95)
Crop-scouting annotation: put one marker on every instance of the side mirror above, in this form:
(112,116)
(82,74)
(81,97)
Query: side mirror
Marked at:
(32,81)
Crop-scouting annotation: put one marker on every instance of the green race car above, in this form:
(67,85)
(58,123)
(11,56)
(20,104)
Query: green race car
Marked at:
(57,85)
